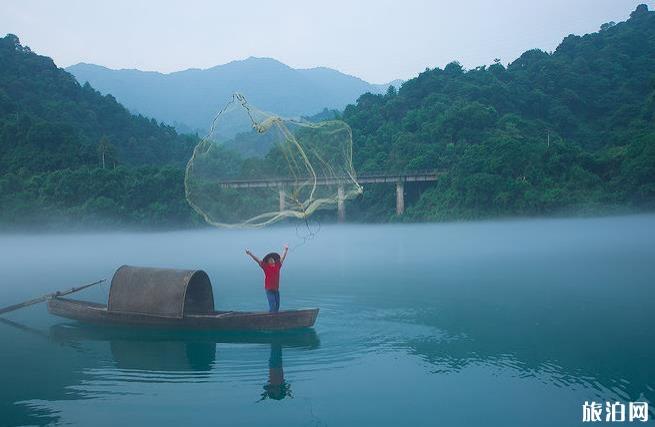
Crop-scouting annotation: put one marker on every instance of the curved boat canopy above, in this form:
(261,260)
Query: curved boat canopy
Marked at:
(160,292)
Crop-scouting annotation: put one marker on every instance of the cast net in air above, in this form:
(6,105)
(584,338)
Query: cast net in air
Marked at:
(254,168)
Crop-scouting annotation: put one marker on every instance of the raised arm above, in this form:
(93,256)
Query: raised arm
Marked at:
(284,253)
(257,260)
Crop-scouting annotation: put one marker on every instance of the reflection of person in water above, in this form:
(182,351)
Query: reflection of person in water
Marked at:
(276,388)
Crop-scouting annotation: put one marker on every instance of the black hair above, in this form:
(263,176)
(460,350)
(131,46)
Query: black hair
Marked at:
(274,255)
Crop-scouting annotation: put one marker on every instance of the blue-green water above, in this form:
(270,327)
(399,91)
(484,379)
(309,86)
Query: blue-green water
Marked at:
(509,323)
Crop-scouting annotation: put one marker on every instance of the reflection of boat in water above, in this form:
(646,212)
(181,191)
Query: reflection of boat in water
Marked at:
(181,352)
(165,298)
(72,361)
(176,350)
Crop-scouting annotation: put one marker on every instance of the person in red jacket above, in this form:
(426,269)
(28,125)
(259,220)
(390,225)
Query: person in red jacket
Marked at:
(271,264)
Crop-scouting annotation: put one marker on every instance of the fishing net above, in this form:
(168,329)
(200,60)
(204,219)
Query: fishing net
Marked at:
(254,168)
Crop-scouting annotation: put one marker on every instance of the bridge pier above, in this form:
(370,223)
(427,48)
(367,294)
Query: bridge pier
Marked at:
(341,206)
(282,200)
(400,198)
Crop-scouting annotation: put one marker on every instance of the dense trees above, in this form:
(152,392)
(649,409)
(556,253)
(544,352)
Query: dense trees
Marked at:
(144,196)
(551,132)
(561,132)
(69,153)
(45,112)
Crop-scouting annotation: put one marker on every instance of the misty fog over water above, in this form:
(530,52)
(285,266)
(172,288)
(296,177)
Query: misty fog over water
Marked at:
(522,320)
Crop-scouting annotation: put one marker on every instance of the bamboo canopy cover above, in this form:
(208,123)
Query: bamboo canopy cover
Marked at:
(161,292)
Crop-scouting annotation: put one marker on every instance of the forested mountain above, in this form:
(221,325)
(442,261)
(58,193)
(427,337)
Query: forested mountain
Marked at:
(189,99)
(67,151)
(50,122)
(563,132)
(552,132)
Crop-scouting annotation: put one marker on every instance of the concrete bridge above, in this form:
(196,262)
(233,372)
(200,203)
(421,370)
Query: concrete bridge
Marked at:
(399,178)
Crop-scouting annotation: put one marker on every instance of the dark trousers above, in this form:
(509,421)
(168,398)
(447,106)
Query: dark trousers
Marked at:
(273,301)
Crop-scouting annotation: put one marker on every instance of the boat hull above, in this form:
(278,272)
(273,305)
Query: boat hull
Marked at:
(90,312)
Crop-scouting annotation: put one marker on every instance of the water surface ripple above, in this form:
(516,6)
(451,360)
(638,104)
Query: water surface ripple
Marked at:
(506,323)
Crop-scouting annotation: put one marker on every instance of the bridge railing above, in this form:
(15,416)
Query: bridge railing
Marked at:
(429,175)
(401,173)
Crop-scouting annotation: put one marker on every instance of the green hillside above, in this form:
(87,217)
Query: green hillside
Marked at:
(566,132)
(55,136)
(561,132)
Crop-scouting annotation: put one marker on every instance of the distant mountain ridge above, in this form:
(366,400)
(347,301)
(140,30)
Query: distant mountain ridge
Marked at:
(189,99)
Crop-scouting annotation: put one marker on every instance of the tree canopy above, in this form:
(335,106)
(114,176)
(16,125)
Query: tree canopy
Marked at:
(69,153)
(555,132)
(550,133)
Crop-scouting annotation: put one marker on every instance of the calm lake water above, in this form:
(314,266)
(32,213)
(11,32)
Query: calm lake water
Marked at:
(509,323)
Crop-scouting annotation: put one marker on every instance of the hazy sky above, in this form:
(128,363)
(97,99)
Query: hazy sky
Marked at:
(375,40)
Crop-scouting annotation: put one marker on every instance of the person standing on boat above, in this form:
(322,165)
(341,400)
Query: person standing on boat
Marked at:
(271,264)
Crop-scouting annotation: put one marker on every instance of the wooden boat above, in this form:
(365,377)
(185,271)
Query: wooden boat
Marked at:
(167,298)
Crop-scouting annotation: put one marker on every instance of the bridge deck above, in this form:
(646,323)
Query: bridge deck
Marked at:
(369,178)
